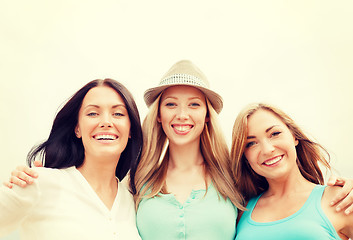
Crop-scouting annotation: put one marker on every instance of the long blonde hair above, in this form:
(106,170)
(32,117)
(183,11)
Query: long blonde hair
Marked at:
(309,153)
(151,174)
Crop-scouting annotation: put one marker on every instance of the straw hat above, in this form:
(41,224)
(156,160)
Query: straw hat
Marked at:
(186,73)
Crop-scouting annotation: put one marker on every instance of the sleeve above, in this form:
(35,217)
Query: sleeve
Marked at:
(15,205)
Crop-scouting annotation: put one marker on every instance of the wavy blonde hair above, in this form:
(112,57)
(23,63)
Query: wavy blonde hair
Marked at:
(309,153)
(151,173)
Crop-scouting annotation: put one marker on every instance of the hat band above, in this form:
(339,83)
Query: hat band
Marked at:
(183,79)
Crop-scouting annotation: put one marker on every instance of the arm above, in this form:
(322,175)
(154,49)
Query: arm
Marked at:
(342,223)
(343,199)
(15,205)
(348,229)
(23,175)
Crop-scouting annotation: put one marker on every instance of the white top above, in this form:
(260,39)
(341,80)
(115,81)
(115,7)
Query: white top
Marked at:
(60,204)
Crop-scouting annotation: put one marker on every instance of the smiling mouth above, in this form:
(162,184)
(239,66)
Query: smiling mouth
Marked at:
(105,137)
(273,161)
(182,128)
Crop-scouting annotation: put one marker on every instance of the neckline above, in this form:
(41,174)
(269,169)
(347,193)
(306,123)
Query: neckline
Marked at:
(194,195)
(94,195)
(300,210)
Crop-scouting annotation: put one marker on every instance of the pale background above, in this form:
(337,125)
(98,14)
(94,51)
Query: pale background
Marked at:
(297,55)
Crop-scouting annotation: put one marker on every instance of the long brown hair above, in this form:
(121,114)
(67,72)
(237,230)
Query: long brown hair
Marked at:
(309,153)
(63,149)
(151,173)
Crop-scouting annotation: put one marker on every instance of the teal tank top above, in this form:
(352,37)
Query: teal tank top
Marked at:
(310,222)
(202,216)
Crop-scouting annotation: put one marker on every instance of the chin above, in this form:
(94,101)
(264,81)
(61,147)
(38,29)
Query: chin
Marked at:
(109,154)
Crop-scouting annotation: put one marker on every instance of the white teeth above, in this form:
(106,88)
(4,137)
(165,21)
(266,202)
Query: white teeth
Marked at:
(105,137)
(183,128)
(273,161)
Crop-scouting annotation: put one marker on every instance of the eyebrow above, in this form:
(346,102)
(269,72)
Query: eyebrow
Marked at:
(169,97)
(97,106)
(267,130)
(195,98)
(190,98)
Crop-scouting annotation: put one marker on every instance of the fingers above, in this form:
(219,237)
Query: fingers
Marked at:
(332,180)
(24,173)
(7,184)
(19,176)
(349,210)
(346,204)
(17,181)
(345,196)
(344,191)
(336,181)
(38,163)
(22,176)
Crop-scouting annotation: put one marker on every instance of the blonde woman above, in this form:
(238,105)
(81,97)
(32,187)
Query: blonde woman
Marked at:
(277,170)
(184,185)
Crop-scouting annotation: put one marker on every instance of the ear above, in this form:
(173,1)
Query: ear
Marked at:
(296,142)
(77,132)
(159,119)
(207,119)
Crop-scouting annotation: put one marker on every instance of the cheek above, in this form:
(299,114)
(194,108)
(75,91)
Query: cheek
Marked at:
(123,126)
(86,127)
(128,128)
(161,119)
(290,144)
(163,116)
(250,156)
(251,162)
(202,117)
(294,151)
(165,119)
(165,129)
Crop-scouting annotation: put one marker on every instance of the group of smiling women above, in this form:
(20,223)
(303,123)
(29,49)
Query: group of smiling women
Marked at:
(182,182)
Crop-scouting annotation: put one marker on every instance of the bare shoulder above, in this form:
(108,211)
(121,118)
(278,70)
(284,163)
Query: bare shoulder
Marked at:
(329,193)
(342,223)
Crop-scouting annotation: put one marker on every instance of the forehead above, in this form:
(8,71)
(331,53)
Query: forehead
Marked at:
(102,95)
(262,119)
(183,91)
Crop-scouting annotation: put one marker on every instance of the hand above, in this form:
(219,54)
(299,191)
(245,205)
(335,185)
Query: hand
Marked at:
(23,175)
(345,197)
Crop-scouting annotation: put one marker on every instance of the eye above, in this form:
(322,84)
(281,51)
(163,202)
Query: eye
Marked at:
(274,134)
(194,104)
(118,114)
(92,114)
(170,104)
(249,144)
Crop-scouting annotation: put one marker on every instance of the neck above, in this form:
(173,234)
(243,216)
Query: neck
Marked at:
(99,174)
(185,157)
(290,185)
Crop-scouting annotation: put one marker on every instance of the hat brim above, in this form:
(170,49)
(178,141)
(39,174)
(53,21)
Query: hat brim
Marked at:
(216,100)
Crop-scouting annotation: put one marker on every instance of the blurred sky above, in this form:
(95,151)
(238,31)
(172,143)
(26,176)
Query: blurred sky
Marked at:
(297,55)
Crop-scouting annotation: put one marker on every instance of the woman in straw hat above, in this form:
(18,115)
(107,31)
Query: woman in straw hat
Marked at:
(277,169)
(184,184)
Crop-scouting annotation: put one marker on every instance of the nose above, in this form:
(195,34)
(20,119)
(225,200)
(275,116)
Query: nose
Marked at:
(267,147)
(105,121)
(182,113)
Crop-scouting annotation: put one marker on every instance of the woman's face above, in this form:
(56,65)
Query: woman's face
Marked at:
(103,123)
(270,148)
(182,113)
